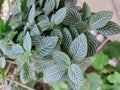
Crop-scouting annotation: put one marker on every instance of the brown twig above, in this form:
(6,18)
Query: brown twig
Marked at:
(12,62)
(20,84)
(100,48)
(8,68)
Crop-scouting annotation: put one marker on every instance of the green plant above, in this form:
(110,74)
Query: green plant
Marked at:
(52,37)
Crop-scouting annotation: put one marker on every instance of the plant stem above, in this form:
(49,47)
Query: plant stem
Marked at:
(12,62)
(18,83)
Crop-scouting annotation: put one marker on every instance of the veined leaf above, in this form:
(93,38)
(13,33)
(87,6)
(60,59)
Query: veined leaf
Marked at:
(2,62)
(86,12)
(53,73)
(76,75)
(13,52)
(70,3)
(57,3)
(72,16)
(35,31)
(74,32)
(49,6)
(61,58)
(59,16)
(74,86)
(46,45)
(110,28)
(92,44)
(41,3)
(27,44)
(36,40)
(25,73)
(31,16)
(78,48)
(67,39)
(100,19)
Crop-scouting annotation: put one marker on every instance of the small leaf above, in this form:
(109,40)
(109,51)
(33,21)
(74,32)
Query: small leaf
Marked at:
(25,73)
(78,48)
(110,28)
(31,16)
(100,19)
(76,75)
(53,73)
(67,39)
(2,62)
(61,58)
(70,3)
(12,35)
(46,45)
(86,12)
(27,44)
(59,16)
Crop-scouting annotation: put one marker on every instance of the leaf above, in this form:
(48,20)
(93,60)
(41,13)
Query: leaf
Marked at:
(49,6)
(53,73)
(31,16)
(2,74)
(2,29)
(67,39)
(44,23)
(86,12)
(27,44)
(59,16)
(72,16)
(74,32)
(92,44)
(69,3)
(57,3)
(12,35)
(36,40)
(61,59)
(100,19)
(101,61)
(112,47)
(25,73)
(81,26)
(74,86)
(35,31)
(41,3)
(114,78)
(13,52)
(94,80)
(75,75)
(78,48)
(2,62)
(46,45)
(110,28)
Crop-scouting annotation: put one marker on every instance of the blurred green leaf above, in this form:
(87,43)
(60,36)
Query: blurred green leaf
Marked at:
(94,81)
(113,50)
(101,61)
(117,67)
(2,29)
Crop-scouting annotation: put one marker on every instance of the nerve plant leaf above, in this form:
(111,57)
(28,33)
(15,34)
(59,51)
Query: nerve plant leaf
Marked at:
(31,16)
(75,75)
(110,28)
(27,44)
(70,3)
(78,48)
(100,19)
(46,45)
(53,73)
(61,58)
(2,62)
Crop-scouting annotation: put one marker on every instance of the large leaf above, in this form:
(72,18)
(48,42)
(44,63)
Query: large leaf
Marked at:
(78,48)
(46,45)
(100,19)
(59,16)
(70,3)
(92,44)
(67,39)
(25,73)
(110,28)
(72,16)
(53,73)
(13,52)
(49,6)
(75,74)
(2,62)
(2,29)
(31,16)
(61,58)
(27,42)
(86,12)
